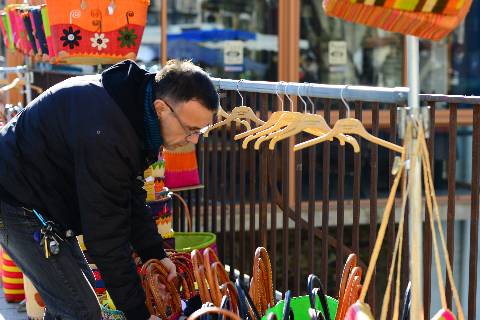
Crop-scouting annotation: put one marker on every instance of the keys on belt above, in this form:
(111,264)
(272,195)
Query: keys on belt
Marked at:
(50,236)
(50,240)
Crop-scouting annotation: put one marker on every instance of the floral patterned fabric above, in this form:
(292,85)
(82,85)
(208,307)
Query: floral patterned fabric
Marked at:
(75,40)
(71,37)
(127,37)
(59,31)
(98,33)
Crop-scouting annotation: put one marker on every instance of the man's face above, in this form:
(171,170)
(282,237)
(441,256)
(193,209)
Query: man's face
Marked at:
(182,122)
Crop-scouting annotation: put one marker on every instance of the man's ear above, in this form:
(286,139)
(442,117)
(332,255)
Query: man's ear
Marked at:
(159,106)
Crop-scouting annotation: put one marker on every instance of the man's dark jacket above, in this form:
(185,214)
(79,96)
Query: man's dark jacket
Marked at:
(76,154)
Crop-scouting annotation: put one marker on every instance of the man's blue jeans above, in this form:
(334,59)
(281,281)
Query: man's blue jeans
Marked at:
(64,281)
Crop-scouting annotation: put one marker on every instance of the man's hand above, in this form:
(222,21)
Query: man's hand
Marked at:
(172,269)
(172,274)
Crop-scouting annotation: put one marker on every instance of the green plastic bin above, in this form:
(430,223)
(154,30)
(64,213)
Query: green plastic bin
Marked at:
(189,241)
(300,305)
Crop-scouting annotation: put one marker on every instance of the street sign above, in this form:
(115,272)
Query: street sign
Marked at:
(337,52)
(233,55)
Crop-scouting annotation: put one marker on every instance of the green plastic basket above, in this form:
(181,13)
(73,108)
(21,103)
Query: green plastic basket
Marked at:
(300,305)
(189,241)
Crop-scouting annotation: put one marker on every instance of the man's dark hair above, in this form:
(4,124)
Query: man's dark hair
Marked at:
(181,81)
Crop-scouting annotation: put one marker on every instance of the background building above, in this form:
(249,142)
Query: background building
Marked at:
(331,50)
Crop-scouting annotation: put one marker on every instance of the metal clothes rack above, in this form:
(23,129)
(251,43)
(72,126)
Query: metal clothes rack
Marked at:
(398,95)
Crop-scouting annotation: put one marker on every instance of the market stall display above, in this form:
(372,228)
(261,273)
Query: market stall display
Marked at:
(181,167)
(90,32)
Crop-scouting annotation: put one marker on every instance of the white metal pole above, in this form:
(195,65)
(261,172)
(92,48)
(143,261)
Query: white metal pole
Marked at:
(413,58)
(28,87)
(415,192)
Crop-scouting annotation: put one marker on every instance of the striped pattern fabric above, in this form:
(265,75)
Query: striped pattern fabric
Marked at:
(47,30)
(12,279)
(7,30)
(37,24)
(447,7)
(99,283)
(424,25)
(162,213)
(181,167)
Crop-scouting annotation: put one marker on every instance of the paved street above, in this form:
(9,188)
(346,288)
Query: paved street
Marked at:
(8,311)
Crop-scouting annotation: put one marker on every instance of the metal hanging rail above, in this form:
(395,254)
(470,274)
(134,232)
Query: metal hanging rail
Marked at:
(16,69)
(396,95)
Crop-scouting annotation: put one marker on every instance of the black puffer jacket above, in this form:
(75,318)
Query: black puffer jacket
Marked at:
(76,154)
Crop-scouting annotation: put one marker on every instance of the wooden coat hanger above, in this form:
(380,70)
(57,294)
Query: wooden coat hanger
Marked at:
(17,82)
(278,120)
(304,121)
(283,121)
(274,118)
(278,123)
(238,114)
(342,138)
(270,122)
(244,112)
(221,114)
(349,126)
(313,124)
(11,85)
(227,119)
(291,123)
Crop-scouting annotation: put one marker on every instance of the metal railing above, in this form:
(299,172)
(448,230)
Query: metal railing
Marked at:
(338,195)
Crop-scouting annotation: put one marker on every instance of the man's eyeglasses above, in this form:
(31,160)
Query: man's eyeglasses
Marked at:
(190,133)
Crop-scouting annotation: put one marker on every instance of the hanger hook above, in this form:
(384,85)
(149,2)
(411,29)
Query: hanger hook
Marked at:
(301,98)
(285,93)
(344,101)
(278,96)
(238,91)
(218,93)
(308,96)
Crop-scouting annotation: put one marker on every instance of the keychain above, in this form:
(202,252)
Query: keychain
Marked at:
(50,240)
